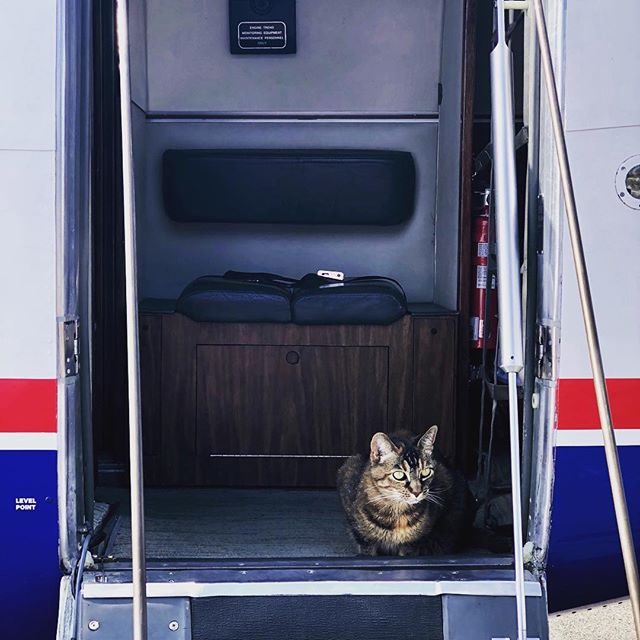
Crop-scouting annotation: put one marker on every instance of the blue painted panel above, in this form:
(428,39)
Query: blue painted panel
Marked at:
(28,545)
(585,561)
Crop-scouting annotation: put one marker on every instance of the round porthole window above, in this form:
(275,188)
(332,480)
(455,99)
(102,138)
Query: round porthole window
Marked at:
(632,182)
(628,182)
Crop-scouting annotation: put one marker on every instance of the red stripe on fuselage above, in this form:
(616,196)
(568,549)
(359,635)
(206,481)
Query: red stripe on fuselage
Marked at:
(27,406)
(577,407)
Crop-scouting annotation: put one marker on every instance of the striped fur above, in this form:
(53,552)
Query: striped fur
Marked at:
(423,510)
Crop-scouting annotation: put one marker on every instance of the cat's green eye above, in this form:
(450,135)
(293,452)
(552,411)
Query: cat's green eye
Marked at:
(398,475)
(425,474)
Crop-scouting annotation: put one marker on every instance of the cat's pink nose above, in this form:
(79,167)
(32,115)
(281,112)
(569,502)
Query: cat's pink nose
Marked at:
(416,493)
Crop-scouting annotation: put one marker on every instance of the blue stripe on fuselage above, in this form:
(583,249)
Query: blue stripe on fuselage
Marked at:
(585,562)
(28,545)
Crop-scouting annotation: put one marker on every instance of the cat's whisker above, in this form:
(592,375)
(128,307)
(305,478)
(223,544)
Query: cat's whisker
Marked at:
(434,499)
(378,499)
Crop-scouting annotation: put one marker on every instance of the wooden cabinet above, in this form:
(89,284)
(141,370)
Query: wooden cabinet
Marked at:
(291,401)
(283,405)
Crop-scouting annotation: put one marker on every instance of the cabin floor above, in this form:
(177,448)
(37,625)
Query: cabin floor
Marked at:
(208,523)
(201,523)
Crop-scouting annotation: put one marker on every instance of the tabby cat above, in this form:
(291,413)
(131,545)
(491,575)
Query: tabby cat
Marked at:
(403,499)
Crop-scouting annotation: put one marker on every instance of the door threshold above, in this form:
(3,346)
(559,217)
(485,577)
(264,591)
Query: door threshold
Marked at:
(319,582)
(460,562)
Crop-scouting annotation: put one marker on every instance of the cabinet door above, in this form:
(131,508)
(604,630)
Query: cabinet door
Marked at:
(289,401)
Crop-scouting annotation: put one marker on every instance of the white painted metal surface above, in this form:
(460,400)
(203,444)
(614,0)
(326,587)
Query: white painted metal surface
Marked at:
(611,234)
(27,263)
(27,74)
(603,124)
(30,441)
(593,437)
(324,588)
(602,70)
(27,189)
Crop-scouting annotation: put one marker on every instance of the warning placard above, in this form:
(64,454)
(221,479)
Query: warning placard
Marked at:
(262,35)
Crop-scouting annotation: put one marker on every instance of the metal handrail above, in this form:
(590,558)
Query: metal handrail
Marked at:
(133,369)
(586,303)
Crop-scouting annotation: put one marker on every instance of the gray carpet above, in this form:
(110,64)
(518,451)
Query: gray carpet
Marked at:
(234,523)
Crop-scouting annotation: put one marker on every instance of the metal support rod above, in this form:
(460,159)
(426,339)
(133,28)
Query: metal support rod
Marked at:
(133,370)
(509,297)
(595,356)
(517,505)
(506,201)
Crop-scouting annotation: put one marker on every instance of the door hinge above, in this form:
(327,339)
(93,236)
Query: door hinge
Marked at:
(69,348)
(545,352)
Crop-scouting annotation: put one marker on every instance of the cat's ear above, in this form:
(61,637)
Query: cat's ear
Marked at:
(426,443)
(382,447)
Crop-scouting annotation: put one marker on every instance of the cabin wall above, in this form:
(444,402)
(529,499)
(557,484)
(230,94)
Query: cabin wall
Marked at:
(446,230)
(358,57)
(173,254)
(138,53)
(377,63)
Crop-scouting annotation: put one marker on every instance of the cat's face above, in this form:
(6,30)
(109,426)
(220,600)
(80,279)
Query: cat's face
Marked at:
(404,474)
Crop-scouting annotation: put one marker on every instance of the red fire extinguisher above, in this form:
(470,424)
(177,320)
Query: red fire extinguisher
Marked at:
(480,275)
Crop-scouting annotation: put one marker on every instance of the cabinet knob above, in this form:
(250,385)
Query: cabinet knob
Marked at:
(292,357)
